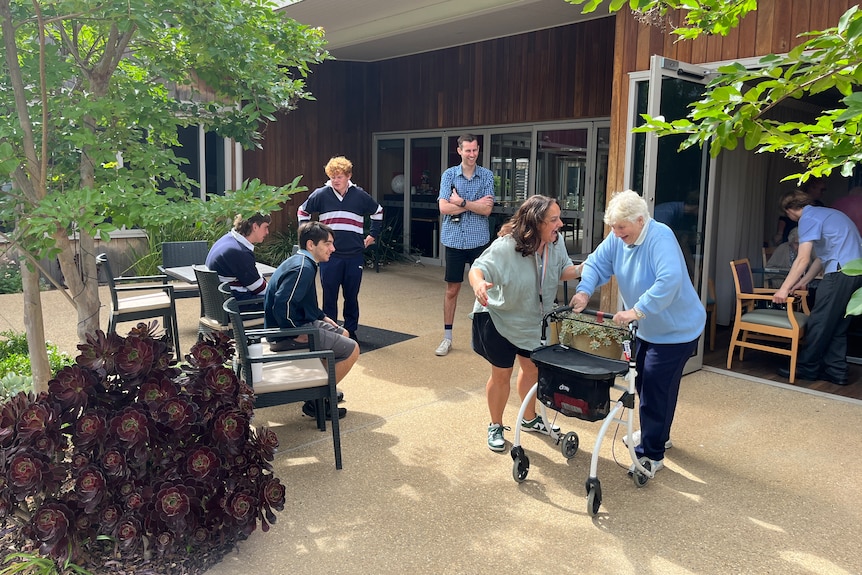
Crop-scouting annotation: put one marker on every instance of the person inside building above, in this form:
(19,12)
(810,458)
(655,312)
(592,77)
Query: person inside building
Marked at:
(834,237)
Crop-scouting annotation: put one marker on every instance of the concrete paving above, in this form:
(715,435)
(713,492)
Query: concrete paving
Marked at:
(761,479)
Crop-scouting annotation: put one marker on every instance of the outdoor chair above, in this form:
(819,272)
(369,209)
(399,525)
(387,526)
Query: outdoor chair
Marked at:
(286,377)
(214,318)
(151,298)
(177,254)
(782,328)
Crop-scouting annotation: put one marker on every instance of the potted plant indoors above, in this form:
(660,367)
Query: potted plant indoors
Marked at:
(584,333)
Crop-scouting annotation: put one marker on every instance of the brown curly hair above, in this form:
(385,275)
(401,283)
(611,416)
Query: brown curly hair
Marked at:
(525,225)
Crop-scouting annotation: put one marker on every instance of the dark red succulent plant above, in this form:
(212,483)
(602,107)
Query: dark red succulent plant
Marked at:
(50,526)
(127,445)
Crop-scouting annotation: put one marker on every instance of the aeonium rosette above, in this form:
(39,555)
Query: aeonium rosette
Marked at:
(177,413)
(135,358)
(157,390)
(242,508)
(9,414)
(90,488)
(131,428)
(99,353)
(90,429)
(73,386)
(29,473)
(271,495)
(173,504)
(114,464)
(222,381)
(50,527)
(230,429)
(202,464)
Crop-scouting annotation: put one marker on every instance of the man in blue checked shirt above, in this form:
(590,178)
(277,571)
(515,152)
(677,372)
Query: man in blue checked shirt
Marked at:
(466,199)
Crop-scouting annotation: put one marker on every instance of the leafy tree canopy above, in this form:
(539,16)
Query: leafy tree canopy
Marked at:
(94,93)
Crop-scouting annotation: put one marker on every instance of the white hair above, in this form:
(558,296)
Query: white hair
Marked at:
(626,206)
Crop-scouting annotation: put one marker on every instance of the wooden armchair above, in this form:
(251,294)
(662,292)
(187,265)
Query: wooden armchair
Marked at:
(286,377)
(153,298)
(782,328)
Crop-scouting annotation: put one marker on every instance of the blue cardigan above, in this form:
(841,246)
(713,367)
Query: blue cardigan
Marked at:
(652,277)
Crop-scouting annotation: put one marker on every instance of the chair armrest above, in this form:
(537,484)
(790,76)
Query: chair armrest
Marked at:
(166,287)
(312,332)
(255,302)
(130,279)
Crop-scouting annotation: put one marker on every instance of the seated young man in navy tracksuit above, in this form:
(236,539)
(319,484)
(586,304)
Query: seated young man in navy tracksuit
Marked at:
(291,301)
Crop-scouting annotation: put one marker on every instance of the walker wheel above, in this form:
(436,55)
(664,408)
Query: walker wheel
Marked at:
(594,501)
(639,477)
(520,468)
(569,445)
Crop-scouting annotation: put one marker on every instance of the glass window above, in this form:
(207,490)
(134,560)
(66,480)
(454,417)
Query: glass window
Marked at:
(510,162)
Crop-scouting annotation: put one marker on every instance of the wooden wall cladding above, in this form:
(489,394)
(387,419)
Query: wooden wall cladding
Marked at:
(562,73)
(773,29)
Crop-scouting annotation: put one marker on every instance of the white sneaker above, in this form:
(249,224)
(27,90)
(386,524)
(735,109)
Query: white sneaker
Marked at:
(654,466)
(636,436)
(537,424)
(496,442)
(444,347)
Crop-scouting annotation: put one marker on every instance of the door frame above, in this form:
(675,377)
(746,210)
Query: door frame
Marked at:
(661,68)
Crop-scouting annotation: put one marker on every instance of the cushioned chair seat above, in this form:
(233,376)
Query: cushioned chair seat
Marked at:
(766,329)
(152,301)
(774,318)
(296,374)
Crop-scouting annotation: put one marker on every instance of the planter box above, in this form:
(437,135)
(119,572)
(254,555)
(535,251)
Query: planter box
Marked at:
(585,344)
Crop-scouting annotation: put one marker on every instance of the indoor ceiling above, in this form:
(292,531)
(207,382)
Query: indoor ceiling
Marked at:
(371,30)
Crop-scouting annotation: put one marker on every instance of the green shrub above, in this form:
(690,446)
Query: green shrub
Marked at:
(276,248)
(147,264)
(10,278)
(15,372)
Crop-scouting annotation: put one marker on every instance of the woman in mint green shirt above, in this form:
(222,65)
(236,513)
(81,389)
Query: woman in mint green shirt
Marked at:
(515,282)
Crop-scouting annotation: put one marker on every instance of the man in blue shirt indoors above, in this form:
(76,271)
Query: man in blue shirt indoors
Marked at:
(232,256)
(836,241)
(291,301)
(465,200)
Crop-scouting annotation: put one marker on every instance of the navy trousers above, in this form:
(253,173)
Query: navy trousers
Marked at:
(659,368)
(344,274)
(824,346)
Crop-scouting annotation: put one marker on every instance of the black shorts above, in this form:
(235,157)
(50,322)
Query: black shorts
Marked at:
(456,260)
(488,343)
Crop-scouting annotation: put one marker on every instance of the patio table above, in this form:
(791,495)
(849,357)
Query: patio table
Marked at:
(187,273)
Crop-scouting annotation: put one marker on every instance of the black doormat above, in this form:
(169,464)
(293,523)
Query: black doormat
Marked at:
(371,338)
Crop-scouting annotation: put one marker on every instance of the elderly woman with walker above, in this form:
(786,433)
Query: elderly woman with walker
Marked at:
(656,291)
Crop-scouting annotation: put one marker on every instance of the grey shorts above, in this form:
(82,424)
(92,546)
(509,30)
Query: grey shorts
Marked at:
(329,337)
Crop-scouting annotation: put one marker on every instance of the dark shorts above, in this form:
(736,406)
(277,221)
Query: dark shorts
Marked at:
(456,260)
(488,343)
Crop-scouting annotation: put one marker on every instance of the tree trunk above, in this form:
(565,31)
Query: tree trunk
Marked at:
(82,281)
(34,326)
